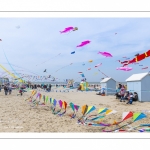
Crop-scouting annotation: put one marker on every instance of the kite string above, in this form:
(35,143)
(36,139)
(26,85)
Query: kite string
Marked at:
(9,62)
(49,59)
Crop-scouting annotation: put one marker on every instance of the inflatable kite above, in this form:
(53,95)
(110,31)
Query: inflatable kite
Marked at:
(98,65)
(105,54)
(137,58)
(145,68)
(83,43)
(124,68)
(68,29)
(73,52)
(44,70)
(90,61)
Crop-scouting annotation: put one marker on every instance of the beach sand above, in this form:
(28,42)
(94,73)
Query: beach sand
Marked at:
(16,114)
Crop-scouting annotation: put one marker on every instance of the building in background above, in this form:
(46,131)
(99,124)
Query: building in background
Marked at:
(109,86)
(4,81)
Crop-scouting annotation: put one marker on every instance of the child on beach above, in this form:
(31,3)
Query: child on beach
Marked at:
(130,99)
(20,92)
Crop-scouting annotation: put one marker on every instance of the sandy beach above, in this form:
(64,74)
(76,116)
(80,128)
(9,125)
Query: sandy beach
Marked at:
(16,114)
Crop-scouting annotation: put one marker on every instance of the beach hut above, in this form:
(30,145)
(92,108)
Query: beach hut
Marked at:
(109,85)
(140,83)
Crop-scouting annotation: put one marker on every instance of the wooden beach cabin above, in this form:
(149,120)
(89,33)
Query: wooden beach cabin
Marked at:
(109,85)
(140,83)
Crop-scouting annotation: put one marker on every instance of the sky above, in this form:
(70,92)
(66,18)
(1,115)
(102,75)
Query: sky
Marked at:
(31,45)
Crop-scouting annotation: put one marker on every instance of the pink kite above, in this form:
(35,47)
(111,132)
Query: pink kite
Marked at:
(83,43)
(145,68)
(124,68)
(98,65)
(68,29)
(105,54)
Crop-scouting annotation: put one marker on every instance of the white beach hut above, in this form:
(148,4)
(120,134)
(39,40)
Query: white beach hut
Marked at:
(140,83)
(109,85)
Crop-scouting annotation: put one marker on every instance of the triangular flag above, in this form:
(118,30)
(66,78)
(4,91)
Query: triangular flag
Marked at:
(102,110)
(76,107)
(90,109)
(60,103)
(84,109)
(127,115)
(64,105)
(72,106)
(138,116)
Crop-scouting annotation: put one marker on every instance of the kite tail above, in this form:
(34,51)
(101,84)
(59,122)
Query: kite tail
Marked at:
(117,128)
(101,124)
(9,63)
(55,113)
(62,113)
(72,115)
(53,109)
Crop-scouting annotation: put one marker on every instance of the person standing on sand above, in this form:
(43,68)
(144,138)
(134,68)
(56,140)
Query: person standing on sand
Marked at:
(0,88)
(10,89)
(50,86)
(5,90)
(122,92)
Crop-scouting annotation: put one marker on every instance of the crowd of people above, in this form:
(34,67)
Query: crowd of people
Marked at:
(124,95)
(7,89)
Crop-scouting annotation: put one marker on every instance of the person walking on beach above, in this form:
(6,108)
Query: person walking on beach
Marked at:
(0,88)
(50,86)
(10,89)
(5,90)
